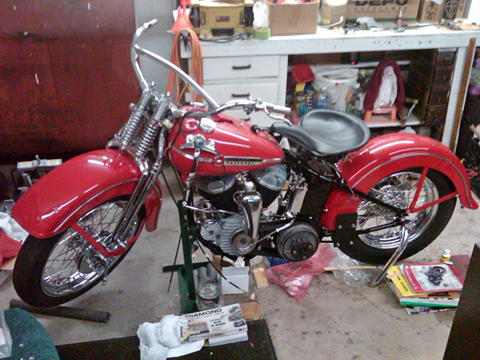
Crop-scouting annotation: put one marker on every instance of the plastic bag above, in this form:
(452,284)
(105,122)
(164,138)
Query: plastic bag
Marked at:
(260,15)
(353,277)
(11,228)
(5,338)
(387,94)
(295,277)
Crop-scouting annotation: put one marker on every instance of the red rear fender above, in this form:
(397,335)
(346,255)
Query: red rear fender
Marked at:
(386,154)
(60,197)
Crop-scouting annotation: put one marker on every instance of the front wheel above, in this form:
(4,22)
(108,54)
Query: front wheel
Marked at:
(424,226)
(49,272)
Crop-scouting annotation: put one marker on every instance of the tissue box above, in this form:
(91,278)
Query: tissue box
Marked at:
(293,19)
(237,276)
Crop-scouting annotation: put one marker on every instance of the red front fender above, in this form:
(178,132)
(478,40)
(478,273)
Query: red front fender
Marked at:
(386,154)
(60,197)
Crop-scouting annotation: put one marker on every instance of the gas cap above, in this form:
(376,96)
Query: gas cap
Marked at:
(207,125)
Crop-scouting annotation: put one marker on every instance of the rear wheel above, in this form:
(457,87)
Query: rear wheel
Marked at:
(398,190)
(52,271)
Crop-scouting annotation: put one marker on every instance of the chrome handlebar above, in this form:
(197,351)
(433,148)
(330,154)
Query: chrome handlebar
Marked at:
(248,105)
(214,108)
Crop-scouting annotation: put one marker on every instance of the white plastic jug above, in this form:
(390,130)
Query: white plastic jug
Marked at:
(338,83)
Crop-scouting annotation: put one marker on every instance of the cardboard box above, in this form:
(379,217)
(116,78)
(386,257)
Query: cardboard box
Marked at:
(293,19)
(430,12)
(238,276)
(382,9)
(331,14)
(454,9)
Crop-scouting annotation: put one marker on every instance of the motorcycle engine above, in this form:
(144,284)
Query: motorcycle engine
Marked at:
(269,182)
(220,191)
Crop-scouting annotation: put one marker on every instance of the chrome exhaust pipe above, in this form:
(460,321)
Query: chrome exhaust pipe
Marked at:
(252,208)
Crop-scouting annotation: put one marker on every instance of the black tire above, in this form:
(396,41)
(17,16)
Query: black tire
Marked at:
(30,273)
(377,248)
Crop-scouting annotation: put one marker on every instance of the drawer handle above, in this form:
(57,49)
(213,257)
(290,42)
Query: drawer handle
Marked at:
(240,95)
(244,67)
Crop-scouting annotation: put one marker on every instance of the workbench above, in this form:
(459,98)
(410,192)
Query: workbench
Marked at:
(259,68)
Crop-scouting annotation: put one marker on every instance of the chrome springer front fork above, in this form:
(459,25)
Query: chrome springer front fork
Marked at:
(149,173)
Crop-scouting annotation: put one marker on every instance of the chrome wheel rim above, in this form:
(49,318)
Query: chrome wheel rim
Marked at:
(397,190)
(73,263)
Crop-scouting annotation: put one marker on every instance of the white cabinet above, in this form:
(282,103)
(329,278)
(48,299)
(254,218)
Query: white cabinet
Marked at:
(258,68)
(238,77)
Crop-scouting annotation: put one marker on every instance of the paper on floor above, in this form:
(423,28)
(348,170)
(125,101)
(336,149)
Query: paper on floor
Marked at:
(161,340)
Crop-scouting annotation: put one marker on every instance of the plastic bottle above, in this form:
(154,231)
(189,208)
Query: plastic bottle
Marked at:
(446,256)
(399,19)
(355,103)
(323,99)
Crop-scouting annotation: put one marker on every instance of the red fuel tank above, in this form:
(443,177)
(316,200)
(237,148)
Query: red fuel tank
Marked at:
(229,146)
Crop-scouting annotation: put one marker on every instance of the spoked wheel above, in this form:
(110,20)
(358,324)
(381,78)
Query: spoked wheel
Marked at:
(52,271)
(399,190)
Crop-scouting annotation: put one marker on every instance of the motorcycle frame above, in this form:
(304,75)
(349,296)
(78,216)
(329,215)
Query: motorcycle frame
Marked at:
(339,183)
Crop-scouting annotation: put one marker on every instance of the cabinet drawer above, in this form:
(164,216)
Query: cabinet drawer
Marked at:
(435,115)
(438,97)
(223,93)
(445,58)
(443,74)
(240,67)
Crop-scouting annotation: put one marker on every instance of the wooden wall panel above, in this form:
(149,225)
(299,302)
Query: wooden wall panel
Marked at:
(65,76)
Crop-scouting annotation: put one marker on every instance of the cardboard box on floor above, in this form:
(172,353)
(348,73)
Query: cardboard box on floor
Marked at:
(382,9)
(293,19)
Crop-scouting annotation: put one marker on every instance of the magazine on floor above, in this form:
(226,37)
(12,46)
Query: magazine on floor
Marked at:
(417,302)
(227,320)
(432,277)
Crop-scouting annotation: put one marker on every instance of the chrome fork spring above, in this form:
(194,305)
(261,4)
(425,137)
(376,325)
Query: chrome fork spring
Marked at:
(151,128)
(133,123)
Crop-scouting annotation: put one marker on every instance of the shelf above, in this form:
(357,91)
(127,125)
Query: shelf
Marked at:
(413,121)
(329,41)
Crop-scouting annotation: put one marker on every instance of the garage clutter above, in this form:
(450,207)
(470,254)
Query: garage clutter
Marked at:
(11,237)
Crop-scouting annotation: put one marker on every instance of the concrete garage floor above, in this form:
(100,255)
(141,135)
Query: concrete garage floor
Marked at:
(333,321)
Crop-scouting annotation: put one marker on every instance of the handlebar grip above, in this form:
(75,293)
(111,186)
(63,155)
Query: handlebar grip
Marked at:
(150,23)
(279,109)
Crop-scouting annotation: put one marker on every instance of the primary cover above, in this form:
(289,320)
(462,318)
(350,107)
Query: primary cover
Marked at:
(432,277)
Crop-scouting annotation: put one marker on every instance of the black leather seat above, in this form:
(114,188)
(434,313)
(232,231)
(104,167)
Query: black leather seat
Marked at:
(326,132)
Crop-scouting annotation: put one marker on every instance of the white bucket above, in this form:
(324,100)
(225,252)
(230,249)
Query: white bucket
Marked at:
(338,83)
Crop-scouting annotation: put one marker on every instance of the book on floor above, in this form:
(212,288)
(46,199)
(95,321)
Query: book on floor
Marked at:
(418,310)
(405,295)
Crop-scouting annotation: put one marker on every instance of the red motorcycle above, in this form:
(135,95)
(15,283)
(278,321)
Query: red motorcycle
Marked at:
(244,195)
